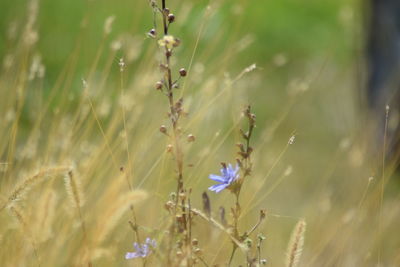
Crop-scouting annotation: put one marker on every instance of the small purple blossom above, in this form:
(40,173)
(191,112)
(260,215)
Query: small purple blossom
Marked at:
(142,250)
(229,175)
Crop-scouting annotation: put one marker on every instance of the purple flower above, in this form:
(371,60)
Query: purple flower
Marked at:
(229,175)
(142,250)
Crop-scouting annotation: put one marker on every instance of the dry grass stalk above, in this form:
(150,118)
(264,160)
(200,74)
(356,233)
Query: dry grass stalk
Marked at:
(45,215)
(73,188)
(18,215)
(27,184)
(115,212)
(296,243)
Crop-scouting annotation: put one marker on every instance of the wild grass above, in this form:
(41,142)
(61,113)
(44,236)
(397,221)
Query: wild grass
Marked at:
(86,110)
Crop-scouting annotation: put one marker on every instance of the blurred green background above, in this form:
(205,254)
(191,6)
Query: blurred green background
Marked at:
(303,31)
(297,46)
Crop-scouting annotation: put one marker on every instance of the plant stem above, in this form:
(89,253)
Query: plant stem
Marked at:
(232,254)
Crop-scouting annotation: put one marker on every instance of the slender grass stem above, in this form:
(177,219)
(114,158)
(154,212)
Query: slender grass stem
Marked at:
(382,185)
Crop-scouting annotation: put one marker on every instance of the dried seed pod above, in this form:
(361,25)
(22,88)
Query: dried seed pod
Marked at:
(206,204)
(197,251)
(159,85)
(169,205)
(191,138)
(176,43)
(263,214)
(222,216)
(152,33)
(163,129)
(182,195)
(171,18)
(169,148)
(182,72)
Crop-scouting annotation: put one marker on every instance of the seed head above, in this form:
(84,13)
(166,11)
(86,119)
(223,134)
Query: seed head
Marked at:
(121,64)
(291,140)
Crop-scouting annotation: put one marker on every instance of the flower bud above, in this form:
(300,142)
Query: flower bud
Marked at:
(169,205)
(169,148)
(191,138)
(261,237)
(163,129)
(152,33)
(182,72)
(163,67)
(263,214)
(197,251)
(159,85)
(171,18)
(176,43)
(248,242)
(182,196)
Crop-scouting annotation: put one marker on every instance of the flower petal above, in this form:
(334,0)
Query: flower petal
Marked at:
(224,172)
(131,255)
(218,187)
(217,178)
(136,246)
(230,167)
(221,187)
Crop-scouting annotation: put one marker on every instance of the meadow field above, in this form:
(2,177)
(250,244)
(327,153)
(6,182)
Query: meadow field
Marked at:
(115,114)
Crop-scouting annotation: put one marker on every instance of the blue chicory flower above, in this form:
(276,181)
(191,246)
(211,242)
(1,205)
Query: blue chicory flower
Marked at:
(229,175)
(142,250)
